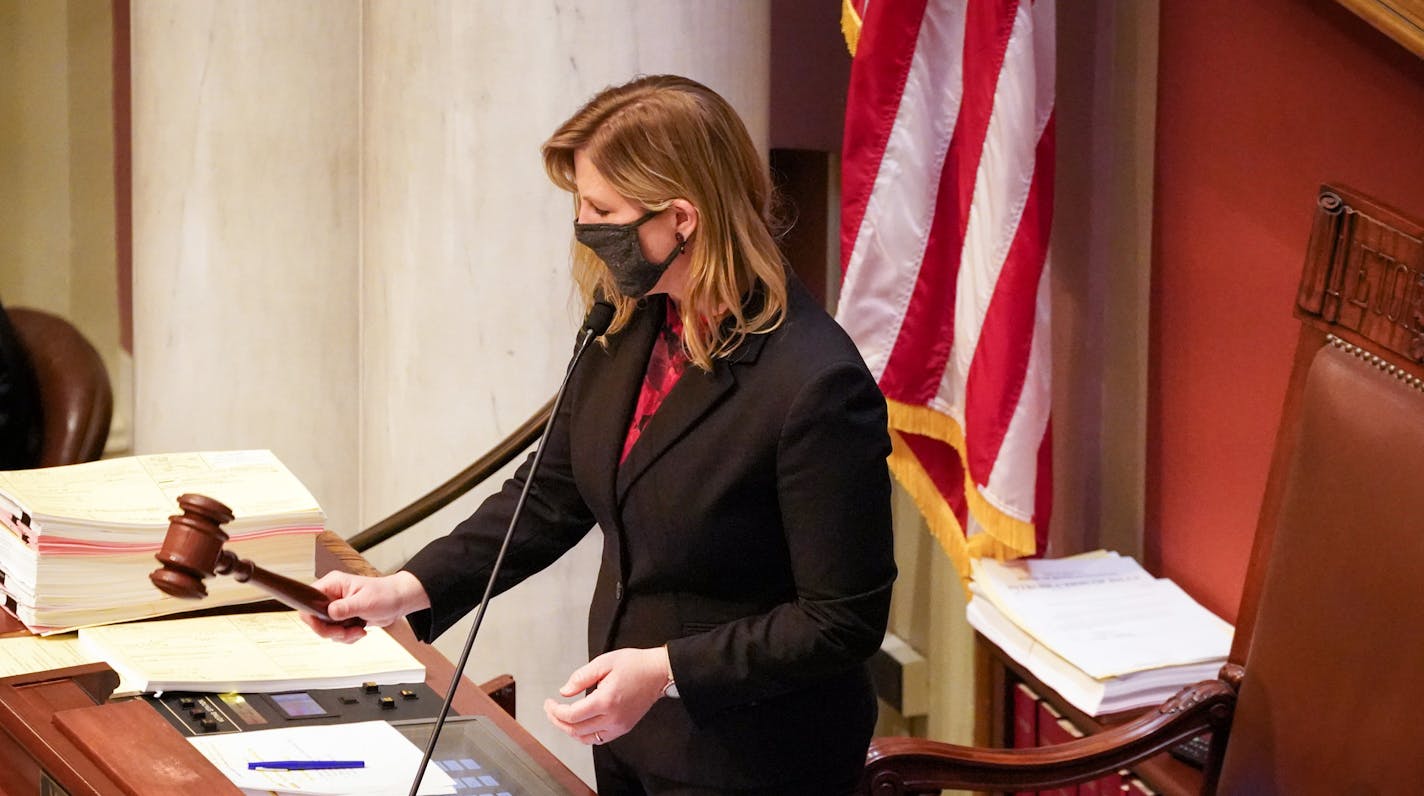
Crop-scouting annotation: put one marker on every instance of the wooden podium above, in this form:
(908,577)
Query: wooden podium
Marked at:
(60,734)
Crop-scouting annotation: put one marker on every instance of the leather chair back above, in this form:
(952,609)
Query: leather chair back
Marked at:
(1327,704)
(76,400)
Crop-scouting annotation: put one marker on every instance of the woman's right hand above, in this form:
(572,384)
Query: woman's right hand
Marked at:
(380,601)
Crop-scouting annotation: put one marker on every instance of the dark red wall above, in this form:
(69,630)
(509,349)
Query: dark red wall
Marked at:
(1258,104)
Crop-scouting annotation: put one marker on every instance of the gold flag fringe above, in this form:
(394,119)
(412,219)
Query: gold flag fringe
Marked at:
(850,25)
(1004,536)
(944,526)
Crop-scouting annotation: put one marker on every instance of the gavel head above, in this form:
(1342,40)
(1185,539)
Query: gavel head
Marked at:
(191,549)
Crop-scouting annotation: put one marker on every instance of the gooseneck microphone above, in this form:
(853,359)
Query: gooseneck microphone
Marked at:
(600,315)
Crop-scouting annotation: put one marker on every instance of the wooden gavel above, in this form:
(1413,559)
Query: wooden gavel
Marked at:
(192,550)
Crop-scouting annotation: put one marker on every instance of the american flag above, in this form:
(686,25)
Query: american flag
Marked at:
(947,202)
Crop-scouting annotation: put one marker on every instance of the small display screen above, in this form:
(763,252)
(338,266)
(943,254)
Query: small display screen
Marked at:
(297,705)
(481,759)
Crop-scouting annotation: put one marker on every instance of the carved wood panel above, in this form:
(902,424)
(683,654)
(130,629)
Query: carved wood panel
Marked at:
(1364,272)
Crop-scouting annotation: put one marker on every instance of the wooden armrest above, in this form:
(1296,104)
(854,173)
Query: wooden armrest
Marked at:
(898,766)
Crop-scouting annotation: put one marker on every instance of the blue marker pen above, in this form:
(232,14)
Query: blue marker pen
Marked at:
(305,765)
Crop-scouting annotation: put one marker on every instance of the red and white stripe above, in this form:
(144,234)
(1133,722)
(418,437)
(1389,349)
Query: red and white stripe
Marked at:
(947,206)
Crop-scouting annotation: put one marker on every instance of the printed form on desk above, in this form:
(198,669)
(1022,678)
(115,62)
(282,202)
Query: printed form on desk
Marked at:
(28,654)
(390,760)
(261,652)
(1104,614)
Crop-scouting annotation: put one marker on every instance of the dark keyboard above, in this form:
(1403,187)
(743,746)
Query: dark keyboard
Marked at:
(1193,751)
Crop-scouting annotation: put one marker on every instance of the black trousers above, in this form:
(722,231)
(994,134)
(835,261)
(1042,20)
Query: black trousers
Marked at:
(616,778)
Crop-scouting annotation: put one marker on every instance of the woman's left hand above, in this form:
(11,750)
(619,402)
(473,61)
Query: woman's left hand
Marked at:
(628,682)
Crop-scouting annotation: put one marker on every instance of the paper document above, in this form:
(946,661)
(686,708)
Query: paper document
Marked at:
(390,760)
(1039,574)
(1105,615)
(265,652)
(1091,695)
(140,491)
(1126,627)
(77,542)
(29,654)
(26,654)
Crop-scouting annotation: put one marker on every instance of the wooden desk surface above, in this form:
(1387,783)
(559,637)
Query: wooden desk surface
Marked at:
(334,553)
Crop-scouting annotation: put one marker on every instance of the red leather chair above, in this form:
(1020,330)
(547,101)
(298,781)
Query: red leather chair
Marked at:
(76,400)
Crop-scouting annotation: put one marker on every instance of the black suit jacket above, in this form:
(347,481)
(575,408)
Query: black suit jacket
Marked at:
(748,530)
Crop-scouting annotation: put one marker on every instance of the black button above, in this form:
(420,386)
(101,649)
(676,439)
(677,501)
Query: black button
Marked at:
(371,688)
(197,713)
(209,724)
(406,693)
(388,703)
(349,700)
(185,702)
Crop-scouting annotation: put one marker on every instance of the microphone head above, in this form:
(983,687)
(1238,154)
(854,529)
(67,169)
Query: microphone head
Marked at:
(600,315)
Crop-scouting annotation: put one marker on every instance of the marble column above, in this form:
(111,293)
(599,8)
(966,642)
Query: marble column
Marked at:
(246,245)
(468,313)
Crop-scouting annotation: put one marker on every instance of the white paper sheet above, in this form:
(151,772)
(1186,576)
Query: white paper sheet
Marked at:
(26,654)
(264,652)
(1105,615)
(390,758)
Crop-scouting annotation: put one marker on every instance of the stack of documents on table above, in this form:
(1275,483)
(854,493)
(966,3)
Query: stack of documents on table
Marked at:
(1098,629)
(263,652)
(77,543)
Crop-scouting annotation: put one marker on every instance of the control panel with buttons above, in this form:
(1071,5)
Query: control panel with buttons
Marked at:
(208,714)
(479,757)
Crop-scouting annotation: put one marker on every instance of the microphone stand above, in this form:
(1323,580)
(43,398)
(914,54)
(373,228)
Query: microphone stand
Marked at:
(600,315)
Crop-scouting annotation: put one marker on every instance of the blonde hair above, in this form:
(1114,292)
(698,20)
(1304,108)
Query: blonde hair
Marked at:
(661,138)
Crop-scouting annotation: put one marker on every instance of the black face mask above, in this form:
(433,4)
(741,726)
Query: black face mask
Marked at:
(618,247)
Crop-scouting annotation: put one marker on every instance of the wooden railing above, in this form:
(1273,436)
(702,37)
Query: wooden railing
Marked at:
(462,482)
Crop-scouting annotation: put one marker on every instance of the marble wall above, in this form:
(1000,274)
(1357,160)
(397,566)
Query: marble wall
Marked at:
(346,249)
(246,239)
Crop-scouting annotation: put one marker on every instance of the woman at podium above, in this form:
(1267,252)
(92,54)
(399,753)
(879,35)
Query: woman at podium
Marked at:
(730,444)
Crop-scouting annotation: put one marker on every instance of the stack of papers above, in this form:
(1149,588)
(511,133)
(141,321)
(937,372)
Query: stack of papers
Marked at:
(77,543)
(263,653)
(1098,629)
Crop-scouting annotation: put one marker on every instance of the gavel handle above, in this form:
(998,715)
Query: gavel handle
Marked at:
(291,593)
